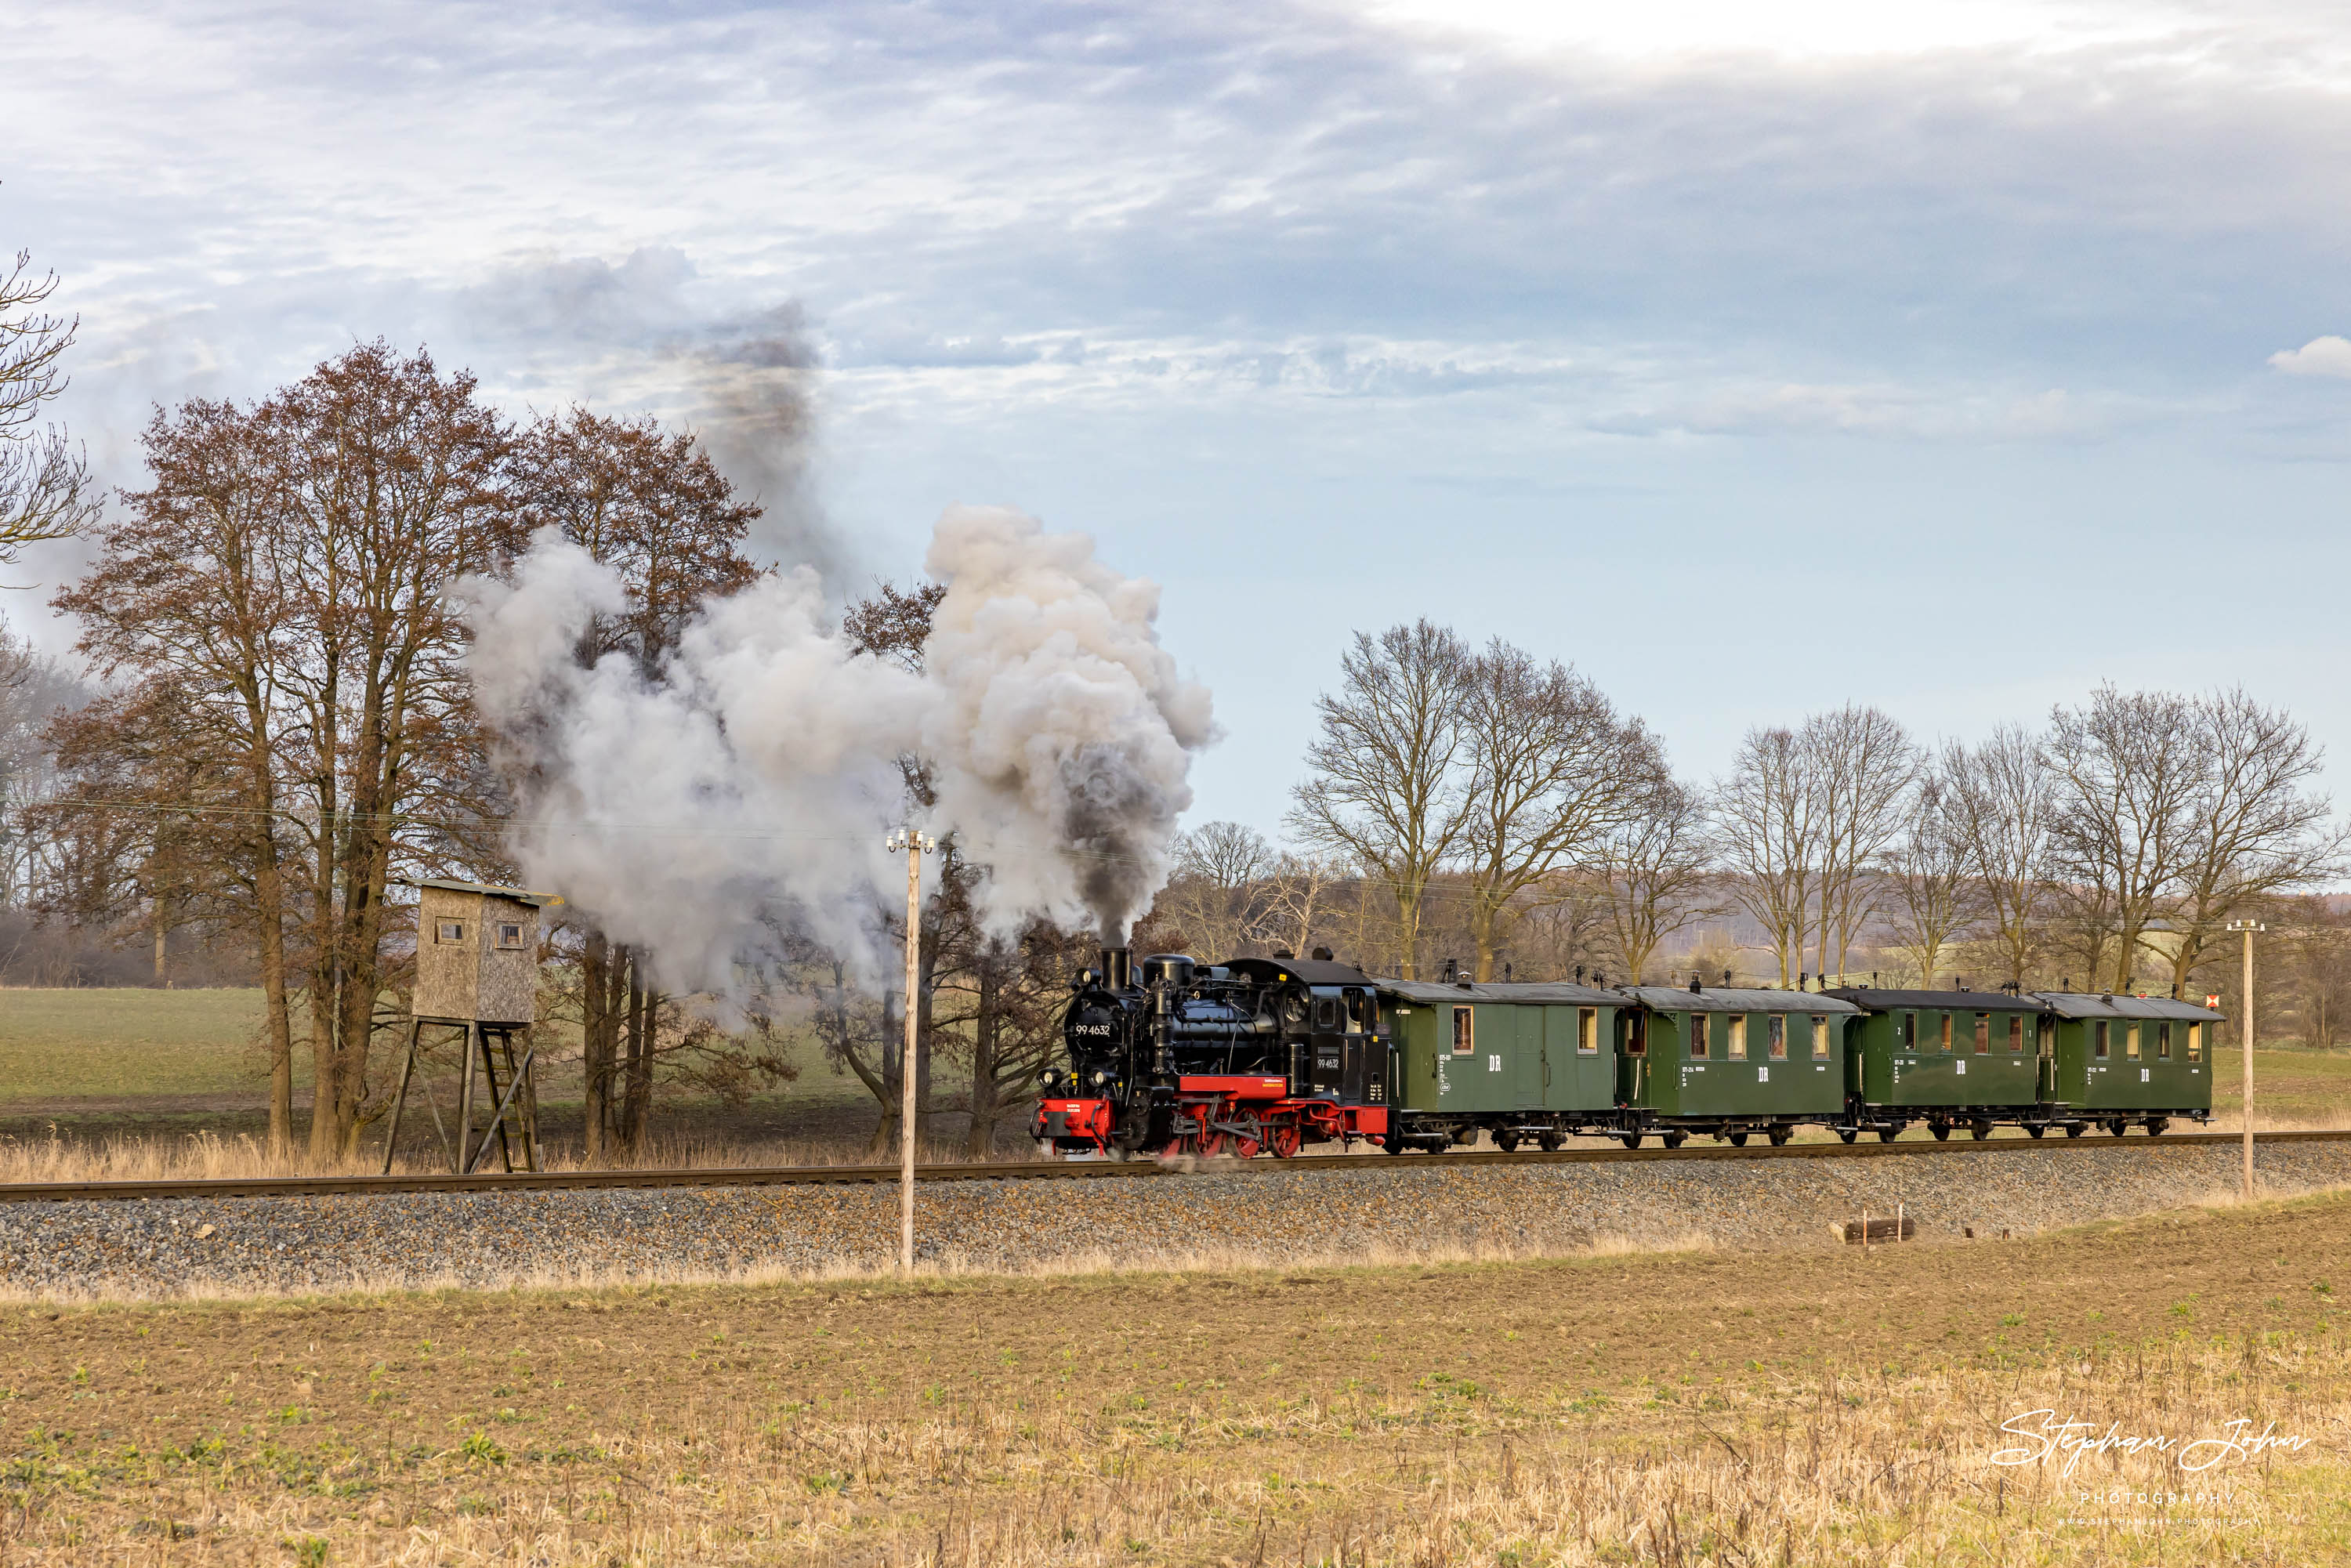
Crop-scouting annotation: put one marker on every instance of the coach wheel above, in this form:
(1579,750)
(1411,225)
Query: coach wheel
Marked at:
(1981,1131)
(2156,1124)
(1551,1142)
(2118,1125)
(1737,1139)
(1887,1134)
(1846,1134)
(2034,1129)
(1941,1130)
(1631,1140)
(1395,1144)
(1779,1135)
(1285,1141)
(2075,1129)
(1673,1140)
(1507,1142)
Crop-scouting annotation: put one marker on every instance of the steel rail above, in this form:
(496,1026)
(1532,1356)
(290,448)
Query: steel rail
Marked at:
(1065,1170)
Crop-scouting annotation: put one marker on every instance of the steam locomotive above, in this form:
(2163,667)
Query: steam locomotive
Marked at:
(1257,1055)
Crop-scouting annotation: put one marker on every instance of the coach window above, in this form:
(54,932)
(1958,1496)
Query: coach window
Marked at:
(1820,1037)
(1698,1034)
(1738,1047)
(1946,1031)
(2045,1036)
(2016,1032)
(1983,1033)
(1909,1032)
(2130,1042)
(1779,1038)
(2196,1042)
(2098,1034)
(1464,1033)
(1587,1031)
(2163,1040)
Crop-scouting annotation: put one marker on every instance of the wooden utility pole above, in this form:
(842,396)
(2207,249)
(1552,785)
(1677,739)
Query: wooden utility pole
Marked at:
(914,843)
(2245,1036)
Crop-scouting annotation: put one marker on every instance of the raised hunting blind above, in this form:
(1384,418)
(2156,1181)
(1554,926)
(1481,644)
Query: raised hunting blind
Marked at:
(477,973)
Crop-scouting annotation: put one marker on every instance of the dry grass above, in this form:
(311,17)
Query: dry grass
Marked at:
(1615,1408)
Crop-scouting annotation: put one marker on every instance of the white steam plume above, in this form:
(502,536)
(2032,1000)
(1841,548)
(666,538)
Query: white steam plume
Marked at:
(753,777)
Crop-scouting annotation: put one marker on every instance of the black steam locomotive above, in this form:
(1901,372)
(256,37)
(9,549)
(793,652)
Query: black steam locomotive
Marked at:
(1258,1054)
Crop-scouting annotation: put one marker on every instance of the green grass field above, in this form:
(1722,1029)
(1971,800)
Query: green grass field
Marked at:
(66,1045)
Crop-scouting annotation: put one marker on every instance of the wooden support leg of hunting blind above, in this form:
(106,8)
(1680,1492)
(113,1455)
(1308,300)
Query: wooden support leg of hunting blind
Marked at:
(399,1100)
(466,1105)
(516,1078)
(497,1122)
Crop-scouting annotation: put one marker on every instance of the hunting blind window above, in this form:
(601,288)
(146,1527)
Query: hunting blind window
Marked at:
(1465,1036)
(509,934)
(445,931)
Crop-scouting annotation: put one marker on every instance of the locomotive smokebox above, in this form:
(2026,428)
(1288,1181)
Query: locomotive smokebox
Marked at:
(1117,968)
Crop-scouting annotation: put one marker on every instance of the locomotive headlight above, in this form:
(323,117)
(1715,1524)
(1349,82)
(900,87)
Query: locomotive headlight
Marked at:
(1101,1078)
(1052,1079)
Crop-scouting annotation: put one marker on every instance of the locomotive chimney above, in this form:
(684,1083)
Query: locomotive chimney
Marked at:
(1117,968)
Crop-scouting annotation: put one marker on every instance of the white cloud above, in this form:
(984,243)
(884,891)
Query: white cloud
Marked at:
(2327,356)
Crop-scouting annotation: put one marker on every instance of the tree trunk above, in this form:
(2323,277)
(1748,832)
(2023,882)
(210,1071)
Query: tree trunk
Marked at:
(892,1052)
(162,938)
(596,1029)
(636,1116)
(981,1138)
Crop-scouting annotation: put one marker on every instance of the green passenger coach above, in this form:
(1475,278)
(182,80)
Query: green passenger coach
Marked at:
(2120,1059)
(1732,1063)
(1949,1058)
(1526,1063)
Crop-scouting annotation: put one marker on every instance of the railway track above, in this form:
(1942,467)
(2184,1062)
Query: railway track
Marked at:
(1055,1170)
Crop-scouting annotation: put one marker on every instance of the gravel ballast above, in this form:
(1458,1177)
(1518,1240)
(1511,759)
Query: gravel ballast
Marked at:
(1267,1213)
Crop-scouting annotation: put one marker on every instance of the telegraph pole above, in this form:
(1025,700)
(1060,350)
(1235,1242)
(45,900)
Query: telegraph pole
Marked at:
(2245,1035)
(914,843)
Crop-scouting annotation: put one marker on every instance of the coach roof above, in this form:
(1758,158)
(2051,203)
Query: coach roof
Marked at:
(1556,991)
(2072,1005)
(1727,999)
(1872,1000)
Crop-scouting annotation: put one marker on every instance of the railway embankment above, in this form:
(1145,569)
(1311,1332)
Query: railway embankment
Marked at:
(1265,1212)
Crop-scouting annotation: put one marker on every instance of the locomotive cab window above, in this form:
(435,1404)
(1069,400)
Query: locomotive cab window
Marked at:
(1359,1010)
(2098,1038)
(2016,1032)
(509,934)
(447,930)
(2196,1042)
(1587,1031)
(1983,1033)
(1698,1035)
(1737,1046)
(1329,1015)
(1778,1047)
(1464,1033)
(1820,1038)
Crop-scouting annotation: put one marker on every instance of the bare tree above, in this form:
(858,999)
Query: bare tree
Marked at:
(1996,799)
(1386,787)
(1215,895)
(2130,772)
(1862,765)
(2257,831)
(1655,871)
(45,484)
(1553,769)
(1768,819)
(1936,892)
(1297,892)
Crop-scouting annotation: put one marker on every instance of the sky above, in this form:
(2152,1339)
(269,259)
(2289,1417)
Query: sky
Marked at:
(1950,357)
